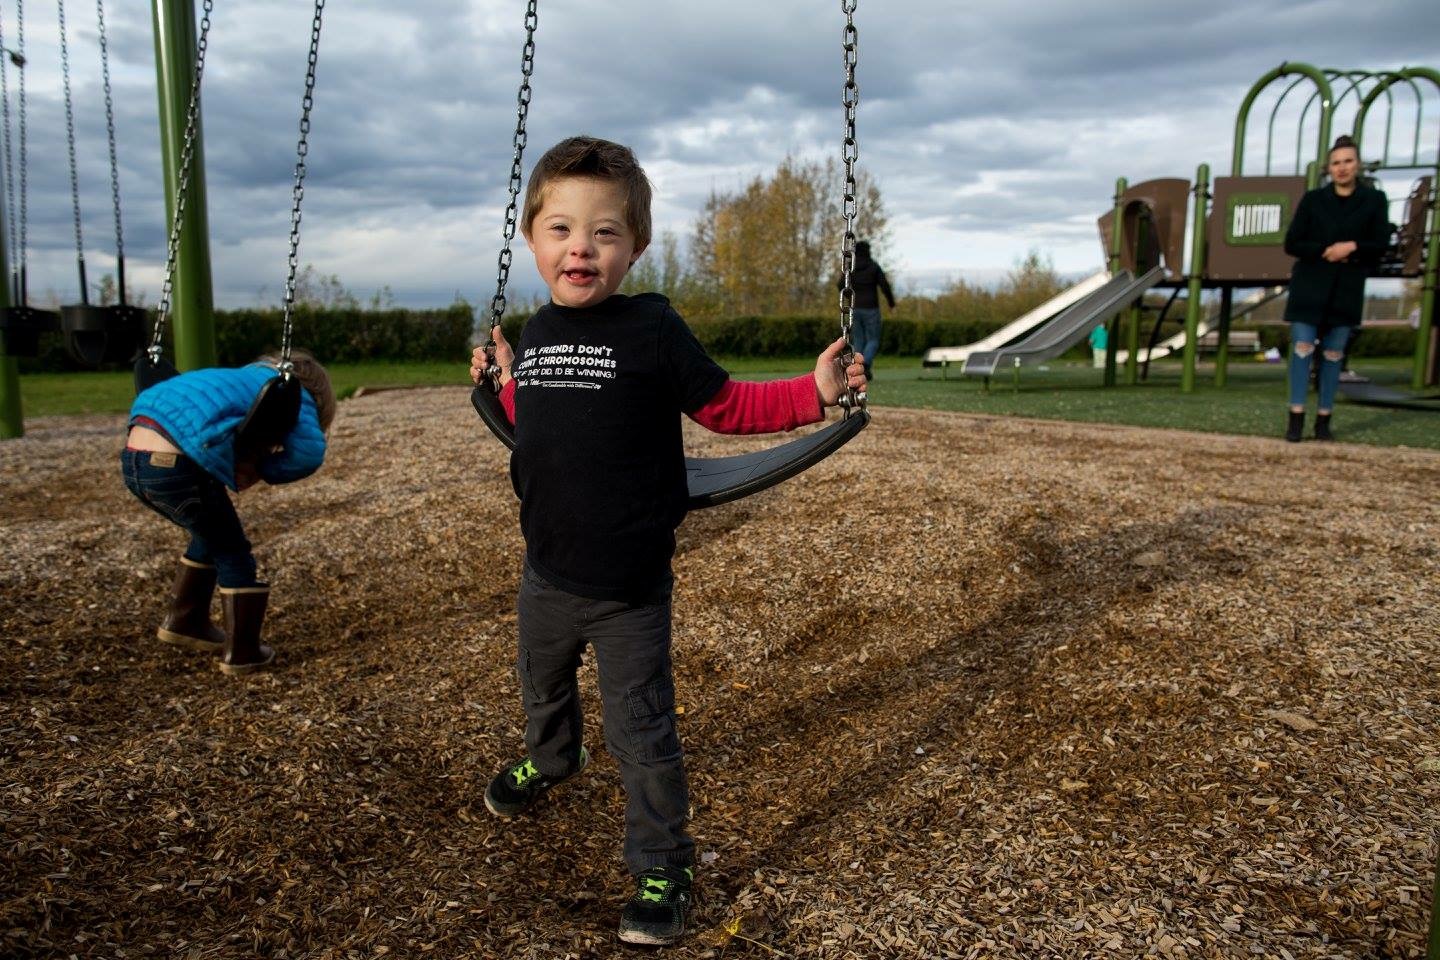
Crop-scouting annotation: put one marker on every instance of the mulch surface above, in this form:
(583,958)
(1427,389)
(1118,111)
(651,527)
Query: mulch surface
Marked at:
(971,687)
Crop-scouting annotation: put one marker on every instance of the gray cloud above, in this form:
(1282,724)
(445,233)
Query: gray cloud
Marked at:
(991,128)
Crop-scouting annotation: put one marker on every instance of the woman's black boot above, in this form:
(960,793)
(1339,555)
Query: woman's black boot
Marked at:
(1322,427)
(1296,429)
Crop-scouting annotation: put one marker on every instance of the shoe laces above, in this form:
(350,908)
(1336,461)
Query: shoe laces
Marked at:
(524,772)
(654,887)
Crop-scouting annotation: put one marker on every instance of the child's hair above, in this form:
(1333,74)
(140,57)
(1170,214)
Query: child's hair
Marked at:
(312,377)
(592,157)
(1343,141)
(862,248)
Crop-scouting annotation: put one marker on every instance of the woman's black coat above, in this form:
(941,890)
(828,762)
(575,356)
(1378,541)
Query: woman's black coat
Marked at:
(1333,294)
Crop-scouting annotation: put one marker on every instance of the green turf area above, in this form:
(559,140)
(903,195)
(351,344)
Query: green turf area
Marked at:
(1252,403)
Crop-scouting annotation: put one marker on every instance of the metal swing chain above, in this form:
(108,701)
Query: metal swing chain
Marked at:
(497,303)
(298,194)
(114,162)
(850,97)
(182,186)
(9,164)
(70,146)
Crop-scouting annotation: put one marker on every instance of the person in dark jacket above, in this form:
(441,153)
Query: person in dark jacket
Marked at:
(868,281)
(1337,237)
(179,460)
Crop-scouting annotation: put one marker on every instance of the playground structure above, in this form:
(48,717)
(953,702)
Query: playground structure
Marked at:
(1237,228)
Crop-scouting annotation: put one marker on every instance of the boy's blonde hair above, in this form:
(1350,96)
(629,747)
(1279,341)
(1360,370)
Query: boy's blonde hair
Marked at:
(313,378)
(603,160)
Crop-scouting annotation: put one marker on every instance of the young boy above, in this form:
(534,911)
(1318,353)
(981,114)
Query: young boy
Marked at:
(595,394)
(180,456)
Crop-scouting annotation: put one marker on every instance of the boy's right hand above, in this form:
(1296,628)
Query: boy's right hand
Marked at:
(504,359)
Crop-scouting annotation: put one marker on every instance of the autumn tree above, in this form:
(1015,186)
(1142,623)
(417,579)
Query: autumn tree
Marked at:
(773,246)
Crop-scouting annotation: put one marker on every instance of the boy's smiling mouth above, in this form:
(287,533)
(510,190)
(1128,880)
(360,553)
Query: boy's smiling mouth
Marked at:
(581,277)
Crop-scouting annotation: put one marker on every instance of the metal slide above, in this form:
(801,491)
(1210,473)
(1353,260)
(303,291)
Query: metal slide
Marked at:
(1211,322)
(1069,328)
(1021,326)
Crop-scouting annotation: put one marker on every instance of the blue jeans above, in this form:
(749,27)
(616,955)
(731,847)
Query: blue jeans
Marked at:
(865,333)
(1333,340)
(173,486)
(631,644)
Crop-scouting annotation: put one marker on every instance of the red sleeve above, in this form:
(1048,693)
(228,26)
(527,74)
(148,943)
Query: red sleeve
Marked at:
(507,400)
(742,406)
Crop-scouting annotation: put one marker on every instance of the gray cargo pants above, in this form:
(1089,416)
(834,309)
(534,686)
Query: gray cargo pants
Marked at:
(631,646)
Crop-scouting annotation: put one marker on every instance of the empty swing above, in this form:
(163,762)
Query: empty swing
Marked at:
(717,480)
(96,333)
(20,324)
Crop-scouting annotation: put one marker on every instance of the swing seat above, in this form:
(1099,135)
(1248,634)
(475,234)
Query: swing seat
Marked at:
(148,373)
(713,481)
(20,329)
(269,421)
(97,335)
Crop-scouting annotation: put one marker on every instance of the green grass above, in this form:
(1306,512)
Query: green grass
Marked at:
(1252,403)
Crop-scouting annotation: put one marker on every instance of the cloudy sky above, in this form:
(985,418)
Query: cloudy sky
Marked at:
(992,128)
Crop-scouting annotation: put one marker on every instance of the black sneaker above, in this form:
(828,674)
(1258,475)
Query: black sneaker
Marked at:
(656,914)
(517,787)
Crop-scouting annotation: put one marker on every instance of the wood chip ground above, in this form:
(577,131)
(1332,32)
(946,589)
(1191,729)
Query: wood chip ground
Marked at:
(970,688)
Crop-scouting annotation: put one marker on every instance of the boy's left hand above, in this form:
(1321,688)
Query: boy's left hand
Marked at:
(830,383)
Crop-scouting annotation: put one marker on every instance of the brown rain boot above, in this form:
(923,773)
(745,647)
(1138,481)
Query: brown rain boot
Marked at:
(187,624)
(244,614)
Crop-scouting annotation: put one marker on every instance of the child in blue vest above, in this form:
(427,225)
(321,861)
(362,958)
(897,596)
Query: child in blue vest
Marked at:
(179,458)
(596,392)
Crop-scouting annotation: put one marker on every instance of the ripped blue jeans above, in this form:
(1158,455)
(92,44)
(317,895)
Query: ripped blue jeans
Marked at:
(1332,340)
(631,645)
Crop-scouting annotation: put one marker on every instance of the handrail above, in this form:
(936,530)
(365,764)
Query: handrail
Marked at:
(1237,160)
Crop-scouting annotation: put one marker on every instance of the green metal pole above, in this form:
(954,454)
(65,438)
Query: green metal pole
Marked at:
(12,414)
(1132,346)
(1117,233)
(192,300)
(1197,275)
(1222,347)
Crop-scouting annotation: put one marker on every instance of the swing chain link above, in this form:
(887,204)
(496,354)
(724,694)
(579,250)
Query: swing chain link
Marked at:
(850,97)
(497,303)
(302,149)
(70,146)
(182,185)
(110,133)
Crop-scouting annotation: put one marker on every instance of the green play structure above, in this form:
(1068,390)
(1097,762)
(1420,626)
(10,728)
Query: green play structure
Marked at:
(1236,228)
(1238,223)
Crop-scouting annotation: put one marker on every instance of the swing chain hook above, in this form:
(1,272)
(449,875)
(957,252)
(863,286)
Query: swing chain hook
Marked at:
(851,399)
(302,150)
(522,112)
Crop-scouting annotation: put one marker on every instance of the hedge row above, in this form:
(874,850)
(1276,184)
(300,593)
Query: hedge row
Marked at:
(334,335)
(348,335)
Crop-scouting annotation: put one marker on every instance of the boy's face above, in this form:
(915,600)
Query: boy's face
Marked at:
(582,245)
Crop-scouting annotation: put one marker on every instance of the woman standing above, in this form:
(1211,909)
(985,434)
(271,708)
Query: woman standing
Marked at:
(1337,236)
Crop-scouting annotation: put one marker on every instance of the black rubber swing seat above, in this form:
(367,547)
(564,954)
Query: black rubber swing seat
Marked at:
(150,372)
(271,417)
(716,480)
(20,329)
(1375,395)
(96,334)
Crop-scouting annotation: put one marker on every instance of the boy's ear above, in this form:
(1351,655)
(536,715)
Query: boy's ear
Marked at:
(636,255)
